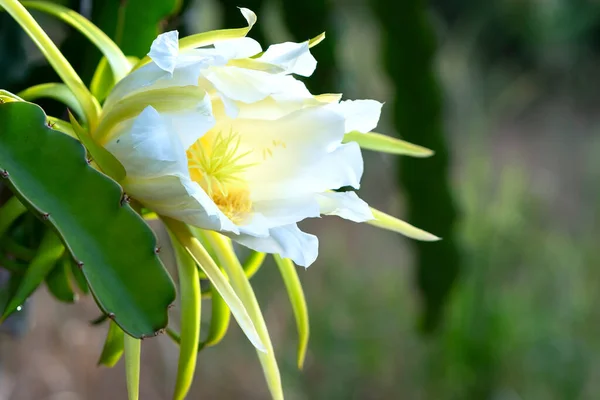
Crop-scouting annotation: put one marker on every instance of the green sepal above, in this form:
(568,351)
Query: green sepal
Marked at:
(296,295)
(107,238)
(50,251)
(253,263)
(189,294)
(133,352)
(386,144)
(105,160)
(219,320)
(113,346)
(59,283)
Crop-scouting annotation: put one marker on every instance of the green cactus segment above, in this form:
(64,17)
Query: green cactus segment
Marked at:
(113,346)
(50,251)
(108,240)
(409,48)
(77,276)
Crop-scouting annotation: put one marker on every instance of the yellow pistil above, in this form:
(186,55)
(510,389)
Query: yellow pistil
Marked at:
(215,162)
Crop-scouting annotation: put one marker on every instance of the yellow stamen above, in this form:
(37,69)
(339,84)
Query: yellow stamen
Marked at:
(215,162)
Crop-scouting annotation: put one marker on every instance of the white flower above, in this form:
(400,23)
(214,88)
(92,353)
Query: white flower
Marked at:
(235,144)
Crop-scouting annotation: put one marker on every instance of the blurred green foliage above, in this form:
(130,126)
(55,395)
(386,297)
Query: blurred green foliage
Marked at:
(409,47)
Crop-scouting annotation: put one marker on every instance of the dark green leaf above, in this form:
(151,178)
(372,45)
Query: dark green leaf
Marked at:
(109,240)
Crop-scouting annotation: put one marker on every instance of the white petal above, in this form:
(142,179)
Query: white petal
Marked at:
(147,148)
(249,16)
(287,241)
(279,212)
(178,197)
(242,84)
(243,47)
(360,115)
(164,50)
(187,71)
(346,205)
(341,167)
(191,125)
(295,58)
(292,95)
(231,108)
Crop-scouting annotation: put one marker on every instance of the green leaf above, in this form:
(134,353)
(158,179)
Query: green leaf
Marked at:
(50,251)
(241,284)
(187,239)
(219,320)
(107,162)
(132,366)
(296,294)
(385,221)
(189,292)
(59,284)
(119,64)
(386,144)
(112,244)
(113,346)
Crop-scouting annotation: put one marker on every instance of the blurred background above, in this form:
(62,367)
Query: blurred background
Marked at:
(504,308)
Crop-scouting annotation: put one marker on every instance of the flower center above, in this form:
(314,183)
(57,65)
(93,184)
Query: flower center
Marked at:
(215,163)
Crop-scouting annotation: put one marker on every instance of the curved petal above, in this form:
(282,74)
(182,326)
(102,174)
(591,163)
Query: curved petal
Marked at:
(180,198)
(360,115)
(147,148)
(287,241)
(281,147)
(242,84)
(191,125)
(341,167)
(295,58)
(164,50)
(346,205)
(186,73)
(289,211)
(243,47)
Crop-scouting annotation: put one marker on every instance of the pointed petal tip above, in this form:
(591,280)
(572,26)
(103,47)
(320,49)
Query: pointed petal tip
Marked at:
(385,221)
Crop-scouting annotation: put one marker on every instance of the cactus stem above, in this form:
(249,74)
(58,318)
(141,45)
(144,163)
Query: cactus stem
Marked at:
(125,199)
